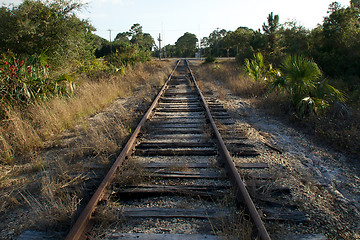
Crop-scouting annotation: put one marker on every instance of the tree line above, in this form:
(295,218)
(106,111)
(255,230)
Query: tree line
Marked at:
(44,47)
(333,45)
(48,33)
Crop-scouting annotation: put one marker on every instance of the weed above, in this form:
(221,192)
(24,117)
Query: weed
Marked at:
(181,167)
(256,68)
(231,76)
(24,130)
(23,160)
(130,173)
(210,59)
(236,224)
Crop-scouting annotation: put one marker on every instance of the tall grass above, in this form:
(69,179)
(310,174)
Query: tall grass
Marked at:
(339,125)
(55,151)
(24,130)
(230,75)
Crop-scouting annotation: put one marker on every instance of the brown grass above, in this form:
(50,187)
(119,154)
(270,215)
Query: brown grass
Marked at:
(131,173)
(26,130)
(229,74)
(236,224)
(339,131)
(53,206)
(47,152)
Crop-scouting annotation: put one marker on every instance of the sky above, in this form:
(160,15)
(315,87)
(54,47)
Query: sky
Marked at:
(172,18)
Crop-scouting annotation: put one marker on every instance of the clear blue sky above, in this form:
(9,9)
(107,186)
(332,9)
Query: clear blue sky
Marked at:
(200,17)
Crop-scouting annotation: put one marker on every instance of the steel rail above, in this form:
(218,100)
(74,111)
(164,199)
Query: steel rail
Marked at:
(241,192)
(77,231)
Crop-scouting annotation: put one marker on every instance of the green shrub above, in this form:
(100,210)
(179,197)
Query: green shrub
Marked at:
(26,80)
(210,59)
(35,26)
(94,68)
(128,54)
(302,79)
(256,68)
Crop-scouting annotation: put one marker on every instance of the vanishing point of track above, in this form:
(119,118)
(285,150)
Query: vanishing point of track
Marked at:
(178,144)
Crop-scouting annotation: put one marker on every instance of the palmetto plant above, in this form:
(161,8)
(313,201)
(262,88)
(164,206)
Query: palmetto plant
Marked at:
(301,76)
(302,79)
(256,68)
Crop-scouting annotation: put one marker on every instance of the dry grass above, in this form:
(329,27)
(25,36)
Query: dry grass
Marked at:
(54,206)
(340,131)
(101,136)
(229,74)
(26,130)
(236,224)
(182,167)
(48,152)
(131,173)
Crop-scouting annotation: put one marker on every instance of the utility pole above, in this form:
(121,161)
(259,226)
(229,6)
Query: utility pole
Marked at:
(199,47)
(159,39)
(110,41)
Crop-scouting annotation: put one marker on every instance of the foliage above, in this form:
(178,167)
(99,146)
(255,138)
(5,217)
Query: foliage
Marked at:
(37,26)
(271,31)
(294,39)
(186,45)
(102,46)
(336,44)
(301,79)
(256,68)
(143,40)
(210,59)
(128,55)
(215,42)
(169,50)
(355,3)
(94,68)
(273,24)
(239,43)
(134,38)
(26,80)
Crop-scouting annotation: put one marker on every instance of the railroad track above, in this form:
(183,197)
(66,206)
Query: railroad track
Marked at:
(175,178)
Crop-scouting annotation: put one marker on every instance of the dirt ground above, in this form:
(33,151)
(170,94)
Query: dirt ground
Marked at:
(324,183)
(43,190)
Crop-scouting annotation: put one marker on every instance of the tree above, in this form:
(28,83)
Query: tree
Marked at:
(147,41)
(216,42)
(355,3)
(294,38)
(143,40)
(239,43)
(35,27)
(273,24)
(169,50)
(258,41)
(135,36)
(135,30)
(122,38)
(186,45)
(336,45)
(271,32)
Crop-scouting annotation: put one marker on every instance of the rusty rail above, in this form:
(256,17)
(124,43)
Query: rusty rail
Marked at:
(241,192)
(77,231)
(79,227)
